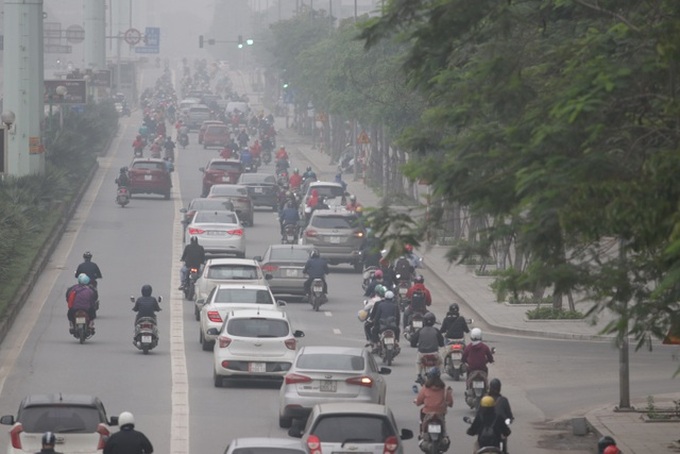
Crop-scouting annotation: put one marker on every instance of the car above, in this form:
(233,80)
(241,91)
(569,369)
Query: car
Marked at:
(265,446)
(216,135)
(365,428)
(204,126)
(285,262)
(220,171)
(337,234)
(329,374)
(197,114)
(186,103)
(149,176)
(262,188)
(228,270)
(227,297)
(328,190)
(238,195)
(219,232)
(255,344)
(242,107)
(204,204)
(78,421)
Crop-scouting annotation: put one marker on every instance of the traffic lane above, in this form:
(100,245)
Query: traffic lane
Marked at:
(129,246)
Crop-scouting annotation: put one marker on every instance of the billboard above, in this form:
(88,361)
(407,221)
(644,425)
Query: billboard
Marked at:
(76,92)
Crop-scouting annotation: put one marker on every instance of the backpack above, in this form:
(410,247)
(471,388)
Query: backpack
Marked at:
(487,435)
(418,301)
(403,268)
(71,297)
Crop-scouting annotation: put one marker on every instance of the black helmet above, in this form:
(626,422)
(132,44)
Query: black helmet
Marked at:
(453,309)
(123,169)
(495,387)
(194,240)
(419,279)
(146,290)
(49,438)
(429,319)
(289,205)
(314,254)
(87,255)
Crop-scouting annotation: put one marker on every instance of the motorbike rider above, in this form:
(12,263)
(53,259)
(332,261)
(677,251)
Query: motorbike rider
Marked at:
(193,257)
(411,256)
(454,326)
(128,440)
(243,138)
(146,305)
(246,158)
(503,409)
(428,340)
(123,180)
(49,440)
(169,146)
(435,397)
(404,269)
(90,268)
(295,180)
(385,315)
(309,174)
(316,268)
(352,203)
(289,215)
(607,445)
(183,133)
(364,314)
(281,153)
(138,144)
(338,179)
(487,425)
(282,165)
(476,355)
(370,250)
(419,297)
(81,297)
(374,283)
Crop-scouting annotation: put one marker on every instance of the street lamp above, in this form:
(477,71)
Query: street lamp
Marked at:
(61,92)
(8,119)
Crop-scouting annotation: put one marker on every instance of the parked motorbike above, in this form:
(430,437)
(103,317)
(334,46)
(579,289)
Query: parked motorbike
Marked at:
(477,387)
(190,284)
(146,331)
(316,297)
(290,234)
(368,275)
(83,328)
(502,449)
(453,363)
(123,196)
(413,326)
(433,437)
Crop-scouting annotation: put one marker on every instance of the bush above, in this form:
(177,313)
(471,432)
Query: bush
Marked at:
(550,313)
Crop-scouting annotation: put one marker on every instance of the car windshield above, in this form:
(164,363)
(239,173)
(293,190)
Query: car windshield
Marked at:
(289,254)
(328,191)
(361,428)
(334,222)
(210,204)
(228,190)
(232,272)
(226,166)
(267,451)
(145,165)
(217,130)
(320,361)
(249,178)
(243,295)
(196,109)
(257,327)
(59,419)
(215,217)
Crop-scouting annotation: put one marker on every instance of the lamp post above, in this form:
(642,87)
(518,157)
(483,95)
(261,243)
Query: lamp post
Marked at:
(61,92)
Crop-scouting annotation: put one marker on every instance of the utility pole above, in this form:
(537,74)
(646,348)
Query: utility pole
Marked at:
(95,34)
(624,362)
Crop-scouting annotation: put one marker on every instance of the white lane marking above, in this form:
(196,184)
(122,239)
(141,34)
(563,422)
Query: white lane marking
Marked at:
(328,313)
(179,421)
(53,269)
(337,331)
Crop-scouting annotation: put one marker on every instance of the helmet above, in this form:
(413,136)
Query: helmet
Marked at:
(378,274)
(611,449)
(146,290)
(429,319)
(476,334)
(359,209)
(453,309)
(126,418)
(296,171)
(362,315)
(487,401)
(83,279)
(380,290)
(353,198)
(433,372)
(409,248)
(419,279)
(309,168)
(289,205)
(495,386)
(605,442)
(87,255)
(194,240)
(123,169)
(49,438)
(389,295)
(315,254)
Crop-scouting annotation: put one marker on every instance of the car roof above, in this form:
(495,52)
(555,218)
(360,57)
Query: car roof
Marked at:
(199,106)
(231,261)
(324,183)
(134,160)
(261,442)
(291,246)
(234,187)
(199,212)
(61,399)
(331,350)
(355,407)
(338,211)
(261,312)
(201,200)
(224,160)
(256,176)
(243,286)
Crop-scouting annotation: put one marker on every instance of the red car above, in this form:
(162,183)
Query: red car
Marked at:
(216,135)
(149,176)
(220,171)
(204,126)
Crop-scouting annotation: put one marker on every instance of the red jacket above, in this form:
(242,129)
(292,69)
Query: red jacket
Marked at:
(435,400)
(421,287)
(477,356)
(295,180)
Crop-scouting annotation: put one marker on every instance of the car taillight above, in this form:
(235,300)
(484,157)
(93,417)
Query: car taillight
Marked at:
(269,268)
(238,232)
(314,444)
(290,344)
(224,341)
(103,435)
(311,232)
(391,445)
(214,317)
(361,381)
(195,231)
(292,379)
(15,435)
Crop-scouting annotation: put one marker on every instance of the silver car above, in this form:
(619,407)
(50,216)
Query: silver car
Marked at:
(285,262)
(330,374)
(227,270)
(219,232)
(338,235)
(239,196)
(265,446)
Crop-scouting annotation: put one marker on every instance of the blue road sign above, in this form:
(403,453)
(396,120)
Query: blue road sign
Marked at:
(152,37)
(147,50)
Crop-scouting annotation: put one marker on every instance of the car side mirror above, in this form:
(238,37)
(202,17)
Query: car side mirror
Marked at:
(132,298)
(201,169)
(280,303)
(406,434)
(183,210)
(258,258)
(385,371)
(295,432)
(7,420)
(298,333)
(213,331)
(268,277)
(113,421)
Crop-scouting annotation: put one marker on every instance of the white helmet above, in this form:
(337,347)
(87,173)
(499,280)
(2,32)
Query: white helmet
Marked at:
(476,334)
(389,295)
(126,418)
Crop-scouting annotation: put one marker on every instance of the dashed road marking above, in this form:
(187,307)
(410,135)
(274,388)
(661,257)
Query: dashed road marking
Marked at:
(337,331)
(328,313)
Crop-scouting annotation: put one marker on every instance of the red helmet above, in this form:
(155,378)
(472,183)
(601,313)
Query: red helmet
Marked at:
(611,449)
(409,248)
(378,274)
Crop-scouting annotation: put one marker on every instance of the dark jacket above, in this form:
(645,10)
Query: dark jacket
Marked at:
(489,419)
(289,216)
(370,288)
(384,310)
(316,268)
(146,306)
(128,441)
(454,327)
(503,407)
(47,451)
(193,255)
(428,339)
(90,269)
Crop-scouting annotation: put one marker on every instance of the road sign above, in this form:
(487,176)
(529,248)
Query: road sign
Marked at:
(76,92)
(147,50)
(75,34)
(363,138)
(133,36)
(152,37)
(57,49)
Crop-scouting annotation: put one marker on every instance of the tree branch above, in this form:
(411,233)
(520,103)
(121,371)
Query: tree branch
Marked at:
(607,12)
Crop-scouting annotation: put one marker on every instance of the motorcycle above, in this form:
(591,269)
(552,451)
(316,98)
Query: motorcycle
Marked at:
(433,437)
(502,449)
(413,326)
(123,196)
(476,388)
(316,297)
(83,327)
(290,233)
(146,331)
(453,363)
(266,156)
(139,152)
(250,167)
(427,361)
(402,289)
(388,348)
(183,140)
(368,275)
(190,284)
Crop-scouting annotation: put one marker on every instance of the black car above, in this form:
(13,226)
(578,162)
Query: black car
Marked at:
(262,189)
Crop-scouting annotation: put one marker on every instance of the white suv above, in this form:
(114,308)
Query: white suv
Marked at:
(254,344)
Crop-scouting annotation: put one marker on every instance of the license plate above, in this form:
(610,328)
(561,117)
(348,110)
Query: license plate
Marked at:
(214,232)
(434,428)
(417,324)
(258,190)
(258,367)
(403,291)
(478,384)
(148,177)
(389,340)
(226,178)
(328,386)
(292,273)
(318,288)
(80,320)
(146,339)
(334,239)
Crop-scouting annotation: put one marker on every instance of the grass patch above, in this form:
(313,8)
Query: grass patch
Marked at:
(550,313)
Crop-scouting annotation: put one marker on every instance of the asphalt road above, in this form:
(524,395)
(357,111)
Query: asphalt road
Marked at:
(171,392)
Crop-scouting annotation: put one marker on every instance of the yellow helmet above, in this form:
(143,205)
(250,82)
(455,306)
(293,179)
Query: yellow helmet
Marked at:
(363,315)
(487,401)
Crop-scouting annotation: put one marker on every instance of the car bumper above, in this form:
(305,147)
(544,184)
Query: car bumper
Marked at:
(154,188)
(287,286)
(296,406)
(337,255)
(215,246)
(239,367)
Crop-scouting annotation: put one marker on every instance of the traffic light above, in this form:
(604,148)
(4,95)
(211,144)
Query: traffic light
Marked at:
(200,41)
(240,41)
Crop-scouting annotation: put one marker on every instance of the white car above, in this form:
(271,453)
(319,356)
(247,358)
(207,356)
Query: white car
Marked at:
(254,344)
(227,271)
(226,297)
(219,232)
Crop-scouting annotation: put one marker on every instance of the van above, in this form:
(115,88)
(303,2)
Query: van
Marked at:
(198,113)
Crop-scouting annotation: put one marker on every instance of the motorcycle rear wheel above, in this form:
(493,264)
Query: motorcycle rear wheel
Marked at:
(388,357)
(315,302)
(83,335)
